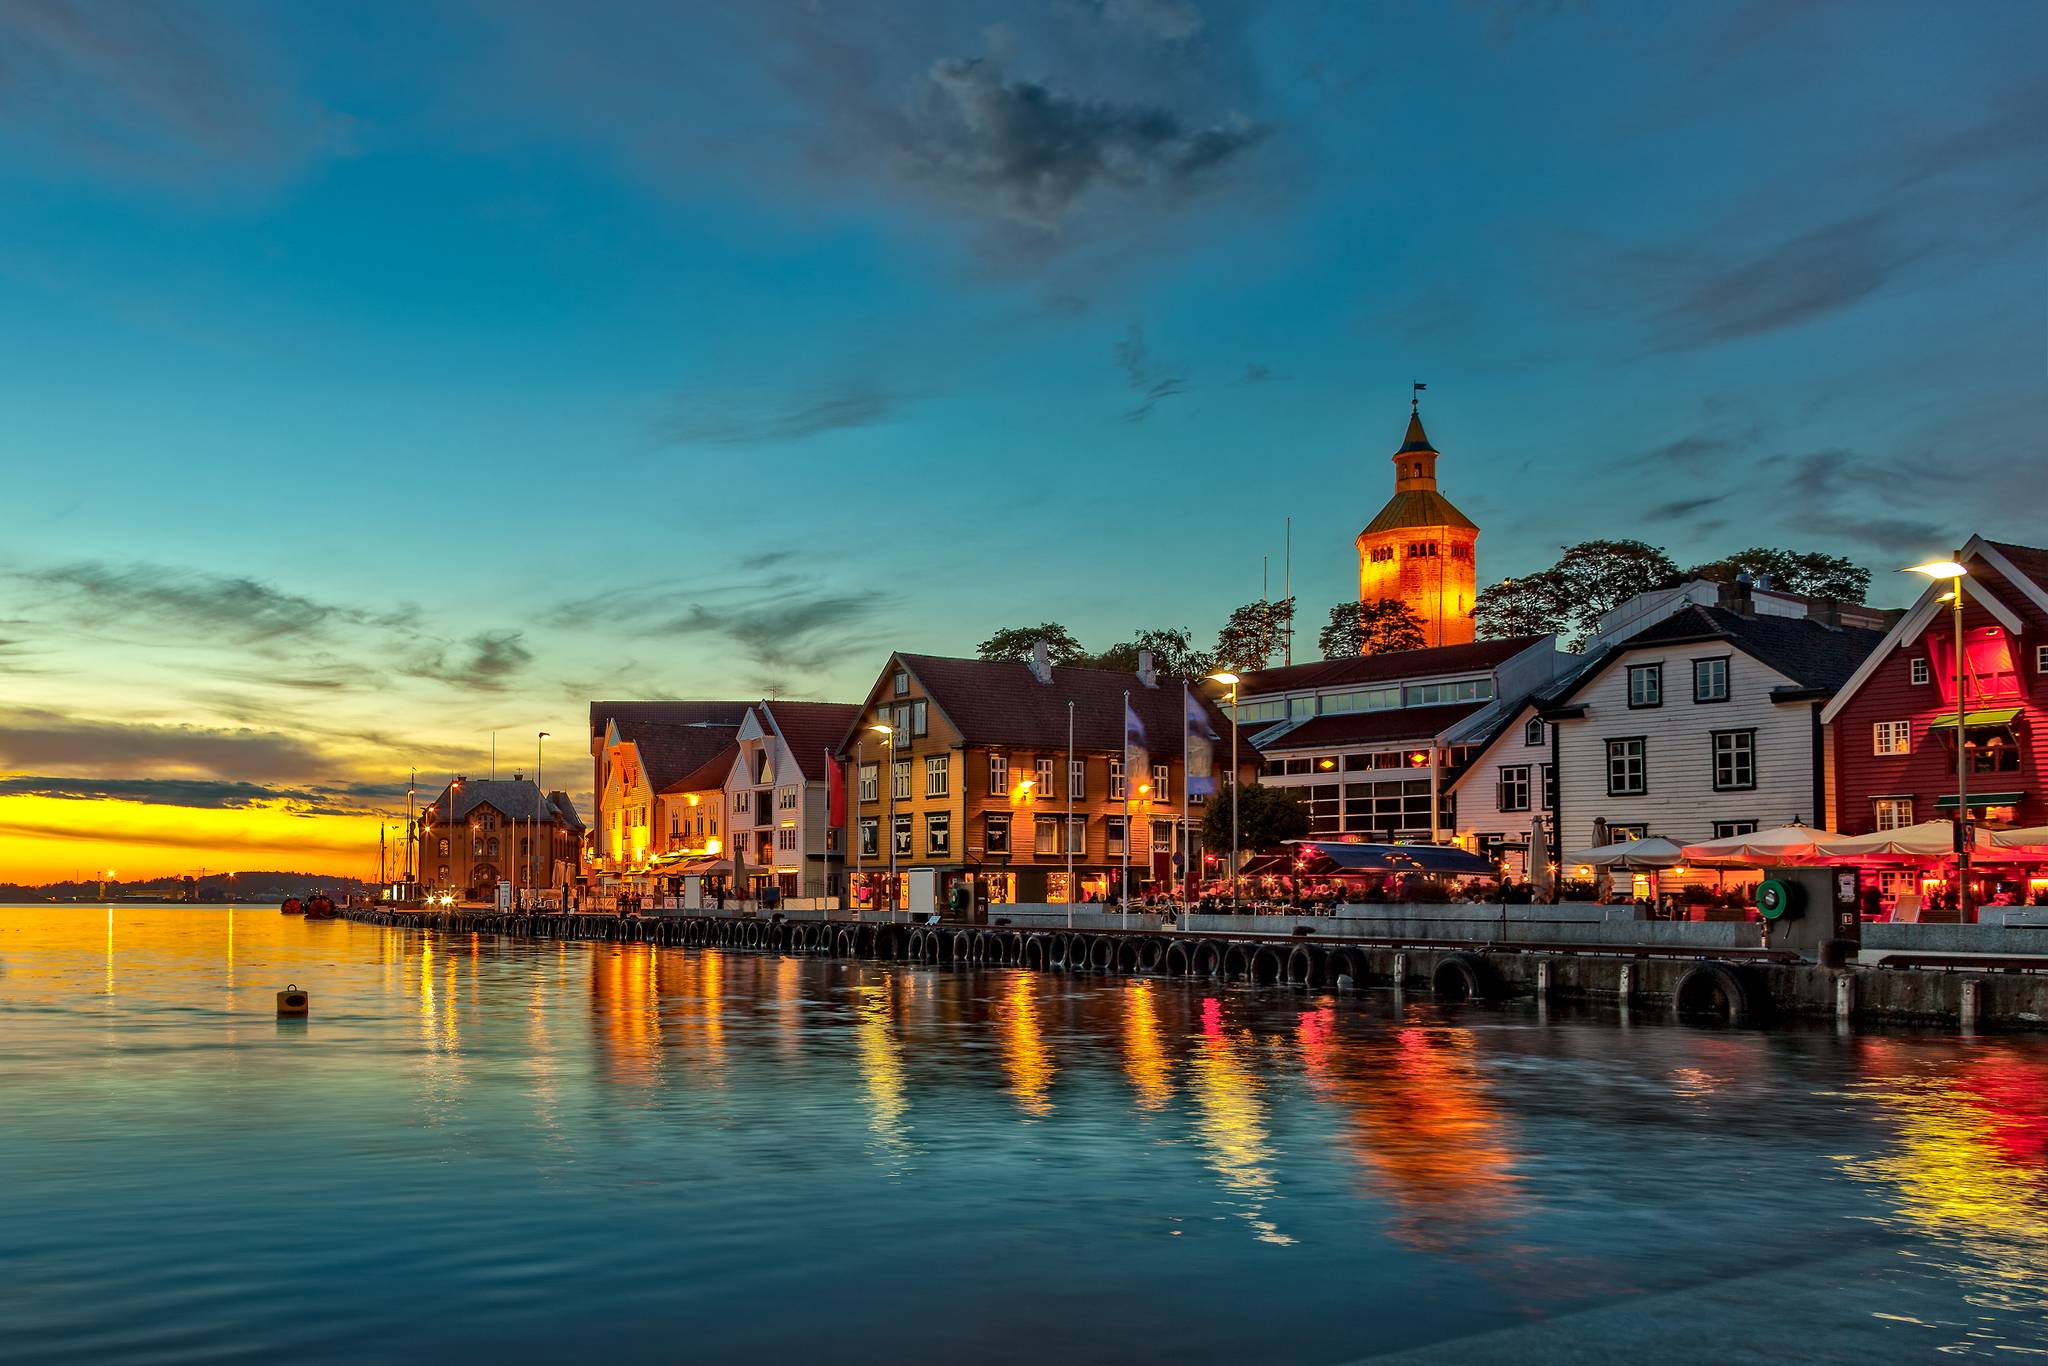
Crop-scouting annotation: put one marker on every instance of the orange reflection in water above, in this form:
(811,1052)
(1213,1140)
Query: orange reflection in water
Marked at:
(1145,1060)
(1026,1059)
(626,1013)
(1418,1121)
(1231,1119)
(881,1068)
(1970,1169)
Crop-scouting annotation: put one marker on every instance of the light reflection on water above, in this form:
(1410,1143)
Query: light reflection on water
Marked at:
(476,1147)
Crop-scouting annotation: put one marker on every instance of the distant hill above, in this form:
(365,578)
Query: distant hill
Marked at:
(256,886)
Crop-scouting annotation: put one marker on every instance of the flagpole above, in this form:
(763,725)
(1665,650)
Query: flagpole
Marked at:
(1125,899)
(1187,774)
(1068,836)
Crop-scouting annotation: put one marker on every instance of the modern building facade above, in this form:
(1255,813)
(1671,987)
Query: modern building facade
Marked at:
(1420,549)
(1004,775)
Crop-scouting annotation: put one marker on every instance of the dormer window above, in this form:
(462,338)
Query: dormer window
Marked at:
(1532,734)
(901,683)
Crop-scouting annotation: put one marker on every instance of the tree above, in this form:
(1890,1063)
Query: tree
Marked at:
(1267,817)
(1015,644)
(1598,576)
(1532,605)
(1253,634)
(1173,653)
(1810,574)
(1370,628)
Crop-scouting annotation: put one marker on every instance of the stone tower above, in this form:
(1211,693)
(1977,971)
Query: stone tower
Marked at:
(1420,549)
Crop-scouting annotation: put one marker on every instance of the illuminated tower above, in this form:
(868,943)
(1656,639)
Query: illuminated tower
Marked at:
(1420,549)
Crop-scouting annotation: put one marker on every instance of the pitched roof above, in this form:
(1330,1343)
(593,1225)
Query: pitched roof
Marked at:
(1385,668)
(1003,703)
(1369,727)
(812,730)
(1808,652)
(669,752)
(632,715)
(566,810)
(515,799)
(2027,559)
(1417,440)
(709,774)
(1417,508)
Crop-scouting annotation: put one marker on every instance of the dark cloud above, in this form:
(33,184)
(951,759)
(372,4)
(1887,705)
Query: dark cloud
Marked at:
(1681,507)
(486,661)
(34,738)
(190,792)
(745,420)
(1701,301)
(779,625)
(234,609)
(1020,150)
(1134,358)
(1257,373)
(1836,493)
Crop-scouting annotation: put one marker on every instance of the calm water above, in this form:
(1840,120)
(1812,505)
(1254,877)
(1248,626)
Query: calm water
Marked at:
(485,1149)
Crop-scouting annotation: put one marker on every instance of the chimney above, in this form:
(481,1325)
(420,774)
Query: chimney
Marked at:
(1736,597)
(517,776)
(1041,661)
(1147,675)
(1826,611)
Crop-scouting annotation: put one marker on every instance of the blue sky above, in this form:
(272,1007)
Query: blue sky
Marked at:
(454,363)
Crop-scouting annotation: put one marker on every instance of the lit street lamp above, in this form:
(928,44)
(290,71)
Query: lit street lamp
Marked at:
(1954,573)
(1230,681)
(890,731)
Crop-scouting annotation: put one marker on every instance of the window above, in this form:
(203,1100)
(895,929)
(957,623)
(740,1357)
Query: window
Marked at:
(785,838)
(1115,827)
(444,869)
(995,832)
(1162,781)
(1044,789)
(1729,829)
(1269,709)
(1734,760)
(1077,778)
(2041,659)
(938,834)
(1645,685)
(1992,749)
(1436,694)
(901,683)
(917,717)
(1046,835)
(1892,737)
(742,803)
(870,782)
(1549,788)
(937,770)
(489,820)
(870,837)
(1626,831)
(494,846)
(1514,787)
(1116,777)
(899,780)
(1532,734)
(1361,699)
(903,836)
(1917,671)
(1893,813)
(1710,680)
(444,848)
(1165,836)
(1627,774)
(785,798)
(998,775)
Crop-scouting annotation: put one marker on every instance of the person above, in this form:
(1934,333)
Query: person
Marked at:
(771,896)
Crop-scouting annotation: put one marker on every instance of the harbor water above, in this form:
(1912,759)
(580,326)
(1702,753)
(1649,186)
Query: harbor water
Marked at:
(480,1148)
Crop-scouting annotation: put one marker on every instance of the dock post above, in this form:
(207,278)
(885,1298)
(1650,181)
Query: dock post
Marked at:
(1628,981)
(1542,980)
(1967,1011)
(1845,998)
(1400,970)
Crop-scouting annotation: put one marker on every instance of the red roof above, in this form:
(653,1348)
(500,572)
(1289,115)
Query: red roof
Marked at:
(813,730)
(1386,668)
(709,774)
(996,702)
(1397,724)
(669,752)
(2029,561)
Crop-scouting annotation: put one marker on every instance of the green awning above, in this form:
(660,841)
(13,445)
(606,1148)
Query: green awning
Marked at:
(2001,716)
(1979,800)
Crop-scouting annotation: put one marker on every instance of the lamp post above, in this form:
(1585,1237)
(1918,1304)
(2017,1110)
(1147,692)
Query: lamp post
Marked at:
(1230,680)
(541,789)
(1953,573)
(890,732)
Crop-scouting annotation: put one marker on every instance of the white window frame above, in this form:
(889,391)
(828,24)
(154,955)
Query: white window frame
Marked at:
(1653,672)
(1116,777)
(1727,680)
(899,779)
(998,775)
(938,834)
(1730,829)
(1891,737)
(1891,813)
(1162,782)
(742,802)
(1043,772)
(871,782)
(1918,671)
(2041,659)
(1514,777)
(1077,779)
(1532,732)
(1738,749)
(938,774)
(1641,759)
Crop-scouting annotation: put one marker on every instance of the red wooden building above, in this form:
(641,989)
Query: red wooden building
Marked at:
(1891,730)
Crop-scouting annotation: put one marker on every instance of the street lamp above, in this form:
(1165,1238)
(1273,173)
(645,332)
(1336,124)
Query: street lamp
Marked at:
(1230,681)
(1954,573)
(533,849)
(889,732)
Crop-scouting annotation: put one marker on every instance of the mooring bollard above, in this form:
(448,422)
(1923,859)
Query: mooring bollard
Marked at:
(1542,980)
(1966,1011)
(293,1002)
(1845,996)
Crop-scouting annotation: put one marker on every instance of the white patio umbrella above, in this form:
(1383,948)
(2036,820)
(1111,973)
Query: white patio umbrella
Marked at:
(1793,843)
(2021,837)
(1640,856)
(1928,839)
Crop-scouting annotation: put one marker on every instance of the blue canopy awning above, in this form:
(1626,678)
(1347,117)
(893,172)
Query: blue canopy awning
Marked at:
(1400,858)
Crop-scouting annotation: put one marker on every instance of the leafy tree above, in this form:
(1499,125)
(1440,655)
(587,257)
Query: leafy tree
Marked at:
(1810,574)
(1370,628)
(1254,633)
(1015,644)
(1598,576)
(1532,605)
(1267,817)
(1173,653)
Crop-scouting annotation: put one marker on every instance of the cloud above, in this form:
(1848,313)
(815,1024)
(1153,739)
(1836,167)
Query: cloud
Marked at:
(1708,301)
(187,792)
(1680,507)
(34,738)
(1022,151)
(237,609)
(753,419)
(781,624)
(1257,373)
(1134,358)
(1830,490)
(486,661)
(1170,20)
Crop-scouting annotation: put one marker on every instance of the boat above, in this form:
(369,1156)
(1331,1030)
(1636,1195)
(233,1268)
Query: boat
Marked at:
(293,906)
(320,906)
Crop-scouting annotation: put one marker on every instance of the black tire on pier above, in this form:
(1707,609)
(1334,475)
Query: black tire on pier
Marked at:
(1102,954)
(1237,963)
(1302,968)
(1128,955)
(963,946)
(1463,977)
(845,945)
(1715,993)
(1178,959)
(1032,953)
(1207,960)
(1266,965)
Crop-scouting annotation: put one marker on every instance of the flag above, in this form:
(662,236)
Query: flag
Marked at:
(1201,749)
(835,791)
(1137,763)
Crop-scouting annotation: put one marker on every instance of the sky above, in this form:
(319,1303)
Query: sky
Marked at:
(377,377)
